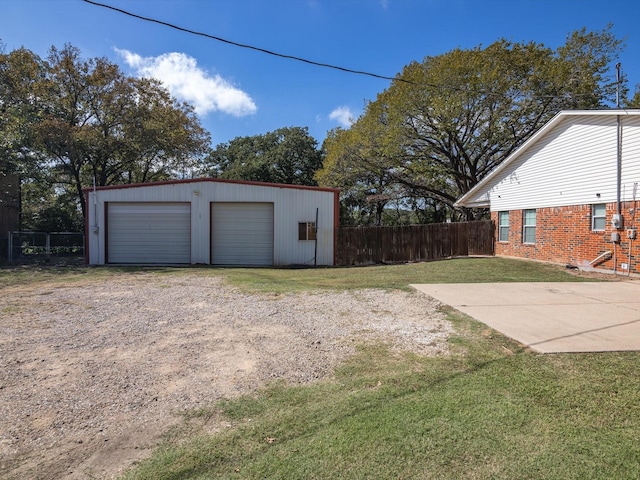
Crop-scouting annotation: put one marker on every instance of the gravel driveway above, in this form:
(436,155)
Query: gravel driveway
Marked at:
(92,372)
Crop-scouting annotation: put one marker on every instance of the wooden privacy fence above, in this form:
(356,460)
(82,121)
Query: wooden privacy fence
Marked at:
(413,243)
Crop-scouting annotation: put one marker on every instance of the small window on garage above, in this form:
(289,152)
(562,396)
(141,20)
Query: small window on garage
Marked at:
(529,226)
(307,231)
(598,217)
(503,226)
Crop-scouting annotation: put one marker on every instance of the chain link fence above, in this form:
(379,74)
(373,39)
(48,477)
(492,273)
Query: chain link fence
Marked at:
(43,247)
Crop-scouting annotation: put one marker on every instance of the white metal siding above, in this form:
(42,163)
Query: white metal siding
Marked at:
(573,164)
(149,233)
(290,250)
(242,233)
(290,206)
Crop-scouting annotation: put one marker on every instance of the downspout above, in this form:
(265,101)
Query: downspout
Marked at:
(19,203)
(86,230)
(96,228)
(336,223)
(315,248)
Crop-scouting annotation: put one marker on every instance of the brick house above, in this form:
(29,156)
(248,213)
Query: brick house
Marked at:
(569,194)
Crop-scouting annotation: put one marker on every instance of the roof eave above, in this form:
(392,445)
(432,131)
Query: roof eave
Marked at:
(477,190)
(211,180)
(462,202)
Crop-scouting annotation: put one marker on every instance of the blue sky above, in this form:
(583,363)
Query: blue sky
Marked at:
(240,92)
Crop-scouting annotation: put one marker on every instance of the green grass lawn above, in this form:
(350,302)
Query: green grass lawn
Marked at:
(489,409)
(281,280)
(471,416)
(459,270)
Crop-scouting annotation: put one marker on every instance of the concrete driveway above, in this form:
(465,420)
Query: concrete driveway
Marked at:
(552,317)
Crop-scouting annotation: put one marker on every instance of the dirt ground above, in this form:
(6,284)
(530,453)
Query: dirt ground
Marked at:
(92,373)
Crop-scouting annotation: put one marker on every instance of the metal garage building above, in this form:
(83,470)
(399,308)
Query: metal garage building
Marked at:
(211,221)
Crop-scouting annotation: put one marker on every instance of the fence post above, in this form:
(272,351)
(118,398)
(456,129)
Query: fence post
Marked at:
(10,253)
(365,245)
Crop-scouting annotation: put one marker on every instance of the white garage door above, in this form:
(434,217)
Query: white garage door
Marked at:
(153,233)
(242,233)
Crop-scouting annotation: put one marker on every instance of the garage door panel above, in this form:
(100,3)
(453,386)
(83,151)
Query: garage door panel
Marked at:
(242,233)
(152,233)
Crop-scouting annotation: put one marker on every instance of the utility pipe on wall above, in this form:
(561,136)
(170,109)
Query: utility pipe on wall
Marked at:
(619,166)
(602,257)
(618,141)
(619,224)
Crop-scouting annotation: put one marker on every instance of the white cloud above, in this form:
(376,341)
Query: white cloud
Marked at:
(186,81)
(343,116)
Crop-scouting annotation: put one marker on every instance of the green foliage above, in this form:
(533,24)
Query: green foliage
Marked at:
(448,121)
(635,101)
(287,155)
(21,84)
(67,122)
(44,210)
(588,58)
(352,164)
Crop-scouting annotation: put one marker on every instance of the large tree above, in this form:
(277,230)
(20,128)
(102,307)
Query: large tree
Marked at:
(449,120)
(287,155)
(84,121)
(21,87)
(355,164)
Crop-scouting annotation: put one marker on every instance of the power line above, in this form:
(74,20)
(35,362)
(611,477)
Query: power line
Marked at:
(397,78)
(242,45)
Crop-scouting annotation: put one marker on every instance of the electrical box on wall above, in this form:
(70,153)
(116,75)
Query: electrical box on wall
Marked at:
(631,233)
(615,237)
(616,221)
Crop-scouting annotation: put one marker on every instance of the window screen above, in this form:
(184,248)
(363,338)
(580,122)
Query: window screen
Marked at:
(307,231)
(529,226)
(503,226)
(598,216)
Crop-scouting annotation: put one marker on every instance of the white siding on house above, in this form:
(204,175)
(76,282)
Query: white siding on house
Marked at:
(574,163)
(630,155)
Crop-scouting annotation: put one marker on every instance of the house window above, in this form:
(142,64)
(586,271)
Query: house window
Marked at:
(598,216)
(503,226)
(529,226)
(307,231)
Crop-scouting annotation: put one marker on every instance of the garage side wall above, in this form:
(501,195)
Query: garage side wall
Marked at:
(291,206)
